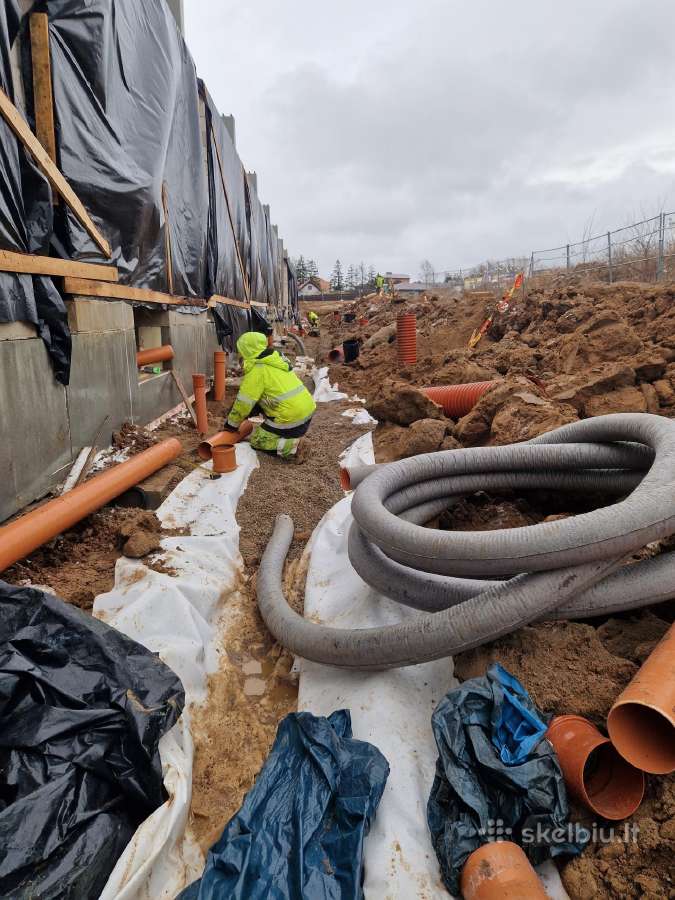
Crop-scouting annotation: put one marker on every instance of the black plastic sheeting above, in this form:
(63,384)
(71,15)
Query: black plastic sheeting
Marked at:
(260,261)
(25,226)
(82,709)
(476,796)
(301,828)
(127,114)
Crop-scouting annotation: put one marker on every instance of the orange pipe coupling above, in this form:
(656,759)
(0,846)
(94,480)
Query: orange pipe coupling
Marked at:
(594,772)
(642,721)
(219,371)
(458,399)
(154,355)
(406,339)
(199,388)
(35,528)
(500,870)
(224,439)
(224,459)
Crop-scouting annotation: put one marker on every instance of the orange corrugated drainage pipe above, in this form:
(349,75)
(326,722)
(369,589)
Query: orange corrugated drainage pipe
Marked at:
(406,339)
(154,355)
(458,399)
(224,439)
(219,369)
(500,870)
(642,721)
(199,388)
(224,459)
(35,528)
(594,772)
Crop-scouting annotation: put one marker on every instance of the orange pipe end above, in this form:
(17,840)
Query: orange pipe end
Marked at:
(406,339)
(458,400)
(154,355)
(224,439)
(336,355)
(594,772)
(224,459)
(500,871)
(199,388)
(219,375)
(345,480)
(641,723)
(35,528)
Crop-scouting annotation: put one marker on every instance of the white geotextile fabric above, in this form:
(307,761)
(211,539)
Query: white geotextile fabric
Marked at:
(391,709)
(324,391)
(183,617)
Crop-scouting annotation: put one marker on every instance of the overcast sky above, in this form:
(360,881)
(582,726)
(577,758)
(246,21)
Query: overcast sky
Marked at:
(391,131)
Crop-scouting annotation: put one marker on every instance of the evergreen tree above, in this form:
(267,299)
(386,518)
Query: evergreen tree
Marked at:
(337,279)
(300,267)
(351,280)
(312,269)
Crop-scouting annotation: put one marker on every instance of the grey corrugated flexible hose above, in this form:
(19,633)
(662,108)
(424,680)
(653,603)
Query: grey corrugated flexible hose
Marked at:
(572,567)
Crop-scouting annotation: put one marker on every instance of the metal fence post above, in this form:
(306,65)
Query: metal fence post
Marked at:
(662,237)
(568,257)
(609,255)
(532,264)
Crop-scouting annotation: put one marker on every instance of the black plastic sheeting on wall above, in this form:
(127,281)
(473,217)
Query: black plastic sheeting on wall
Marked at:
(82,710)
(301,828)
(476,727)
(228,224)
(26,224)
(128,127)
(260,262)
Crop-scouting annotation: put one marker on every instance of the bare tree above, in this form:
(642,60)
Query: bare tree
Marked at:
(427,272)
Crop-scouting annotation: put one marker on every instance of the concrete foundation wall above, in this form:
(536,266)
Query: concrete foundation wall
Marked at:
(43,426)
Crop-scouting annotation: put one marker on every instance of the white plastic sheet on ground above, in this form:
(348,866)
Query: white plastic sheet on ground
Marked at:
(324,391)
(359,416)
(391,709)
(183,618)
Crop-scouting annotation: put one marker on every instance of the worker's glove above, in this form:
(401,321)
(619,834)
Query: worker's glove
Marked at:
(227,427)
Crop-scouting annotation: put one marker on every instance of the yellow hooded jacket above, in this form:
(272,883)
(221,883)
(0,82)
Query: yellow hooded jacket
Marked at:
(269,381)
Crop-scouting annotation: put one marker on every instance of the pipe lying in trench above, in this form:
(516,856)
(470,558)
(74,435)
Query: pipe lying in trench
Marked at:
(458,400)
(35,528)
(477,586)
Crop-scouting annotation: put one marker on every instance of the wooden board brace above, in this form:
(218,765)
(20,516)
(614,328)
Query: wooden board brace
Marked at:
(31,264)
(20,128)
(88,288)
(43,98)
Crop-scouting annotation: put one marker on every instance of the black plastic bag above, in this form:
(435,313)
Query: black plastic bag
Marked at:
(82,709)
(476,796)
(300,831)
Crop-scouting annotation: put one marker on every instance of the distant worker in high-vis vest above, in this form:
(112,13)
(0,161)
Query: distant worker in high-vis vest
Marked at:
(379,283)
(272,387)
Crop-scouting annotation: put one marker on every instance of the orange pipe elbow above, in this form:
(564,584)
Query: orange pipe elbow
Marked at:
(219,373)
(224,459)
(224,439)
(35,528)
(641,723)
(458,399)
(154,355)
(500,870)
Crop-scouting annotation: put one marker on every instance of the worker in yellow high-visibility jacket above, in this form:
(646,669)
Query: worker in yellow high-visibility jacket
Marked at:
(270,384)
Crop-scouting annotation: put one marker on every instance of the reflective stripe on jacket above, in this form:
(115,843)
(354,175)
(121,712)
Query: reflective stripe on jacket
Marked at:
(269,381)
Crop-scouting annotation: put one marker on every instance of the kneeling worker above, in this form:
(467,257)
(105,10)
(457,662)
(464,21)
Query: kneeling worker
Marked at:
(270,385)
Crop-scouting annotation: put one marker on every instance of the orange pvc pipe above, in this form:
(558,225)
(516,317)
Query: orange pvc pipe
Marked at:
(499,870)
(224,459)
(642,721)
(35,528)
(224,439)
(458,399)
(154,355)
(594,772)
(199,388)
(406,339)
(219,367)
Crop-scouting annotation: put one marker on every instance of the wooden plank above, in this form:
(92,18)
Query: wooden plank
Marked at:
(89,288)
(20,128)
(167,239)
(43,97)
(184,395)
(227,301)
(31,264)
(256,303)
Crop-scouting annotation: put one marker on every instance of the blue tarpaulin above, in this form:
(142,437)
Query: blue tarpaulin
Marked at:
(301,828)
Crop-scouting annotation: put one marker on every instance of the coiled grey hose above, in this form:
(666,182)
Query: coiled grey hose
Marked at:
(572,567)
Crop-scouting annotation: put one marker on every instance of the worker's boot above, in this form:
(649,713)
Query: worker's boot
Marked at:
(303,451)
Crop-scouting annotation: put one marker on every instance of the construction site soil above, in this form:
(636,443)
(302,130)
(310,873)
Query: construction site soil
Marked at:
(562,352)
